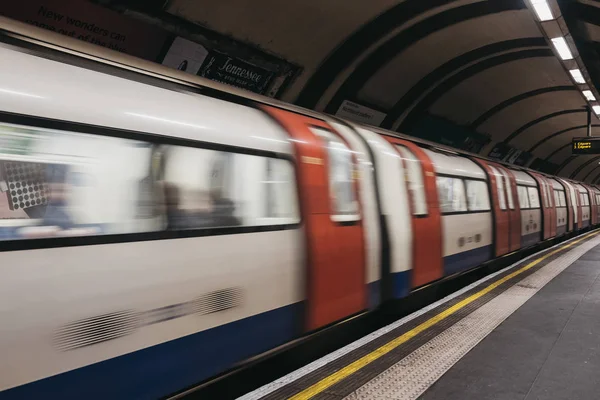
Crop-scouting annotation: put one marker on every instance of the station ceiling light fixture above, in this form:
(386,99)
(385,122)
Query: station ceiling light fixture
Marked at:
(577,76)
(562,48)
(589,95)
(596,109)
(542,10)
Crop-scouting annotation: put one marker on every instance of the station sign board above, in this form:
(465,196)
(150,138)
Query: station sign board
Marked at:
(586,145)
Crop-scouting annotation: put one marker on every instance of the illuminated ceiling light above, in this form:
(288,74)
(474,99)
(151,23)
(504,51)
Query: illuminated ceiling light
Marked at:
(576,74)
(562,48)
(596,109)
(542,9)
(589,95)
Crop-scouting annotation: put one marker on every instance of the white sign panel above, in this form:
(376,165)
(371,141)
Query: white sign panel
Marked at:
(356,112)
(185,55)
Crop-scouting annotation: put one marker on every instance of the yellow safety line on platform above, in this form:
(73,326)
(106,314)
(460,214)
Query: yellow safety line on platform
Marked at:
(386,348)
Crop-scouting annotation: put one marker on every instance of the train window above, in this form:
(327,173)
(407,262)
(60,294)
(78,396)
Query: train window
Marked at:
(280,188)
(556,198)
(523,196)
(500,188)
(415,181)
(477,195)
(56,184)
(452,194)
(341,177)
(534,197)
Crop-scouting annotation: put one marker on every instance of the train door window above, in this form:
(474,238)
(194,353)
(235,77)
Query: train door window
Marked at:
(548,195)
(543,195)
(500,188)
(452,194)
(534,197)
(523,197)
(562,198)
(342,171)
(509,196)
(415,181)
(477,195)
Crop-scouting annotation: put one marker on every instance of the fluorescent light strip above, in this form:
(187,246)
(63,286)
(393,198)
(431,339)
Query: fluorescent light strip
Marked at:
(542,9)
(562,48)
(576,74)
(596,109)
(589,95)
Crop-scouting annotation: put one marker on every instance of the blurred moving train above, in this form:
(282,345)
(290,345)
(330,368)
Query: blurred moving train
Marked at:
(154,235)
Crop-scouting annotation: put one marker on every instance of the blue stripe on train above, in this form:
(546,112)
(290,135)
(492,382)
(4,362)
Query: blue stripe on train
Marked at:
(466,260)
(163,369)
(400,284)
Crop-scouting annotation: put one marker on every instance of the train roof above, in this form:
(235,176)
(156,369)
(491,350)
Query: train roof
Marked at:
(523,178)
(456,165)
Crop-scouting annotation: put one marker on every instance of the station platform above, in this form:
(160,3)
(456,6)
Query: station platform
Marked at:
(529,331)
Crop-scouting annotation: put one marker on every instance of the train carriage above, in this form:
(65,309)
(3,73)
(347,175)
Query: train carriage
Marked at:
(466,211)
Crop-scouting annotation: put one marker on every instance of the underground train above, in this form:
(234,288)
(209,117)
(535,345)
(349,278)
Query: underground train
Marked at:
(153,235)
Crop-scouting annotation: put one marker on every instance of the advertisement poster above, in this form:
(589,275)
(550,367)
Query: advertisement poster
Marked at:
(91,23)
(235,72)
(355,112)
(185,55)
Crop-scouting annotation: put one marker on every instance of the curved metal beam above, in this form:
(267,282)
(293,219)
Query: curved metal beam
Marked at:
(589,173)
(455,64)
(426,102)
(359,42)
(556,151)
(541,119)
(390,49)
(564,164)
(509,102)
(582,166)
(545,139)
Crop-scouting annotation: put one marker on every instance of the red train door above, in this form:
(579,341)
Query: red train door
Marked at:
(510,185)
(592,196)
(499,207)
(551,205)
(570,206)
(546,214)
(336,286)
(427,229)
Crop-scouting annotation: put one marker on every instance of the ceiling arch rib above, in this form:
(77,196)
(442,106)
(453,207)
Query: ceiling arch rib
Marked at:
(528,125)
(585,178)
(555,134)
(513,100)
(582,166)
(563,164)
(359,42)
(556,151)
(452,66)
(407,37)
(425,103)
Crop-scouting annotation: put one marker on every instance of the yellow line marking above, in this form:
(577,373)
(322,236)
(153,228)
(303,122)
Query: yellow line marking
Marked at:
(386,348)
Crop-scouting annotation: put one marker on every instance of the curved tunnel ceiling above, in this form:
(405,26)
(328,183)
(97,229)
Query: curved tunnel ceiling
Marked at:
(483,66)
